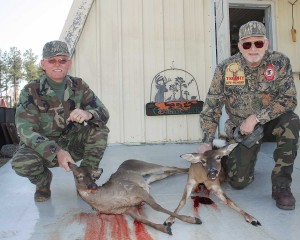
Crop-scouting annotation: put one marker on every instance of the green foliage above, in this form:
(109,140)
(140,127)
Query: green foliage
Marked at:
(16,67)
(3,72)
(15,73)
(31,69)
(15,64)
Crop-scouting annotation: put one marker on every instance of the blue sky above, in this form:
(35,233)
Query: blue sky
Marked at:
(29,24)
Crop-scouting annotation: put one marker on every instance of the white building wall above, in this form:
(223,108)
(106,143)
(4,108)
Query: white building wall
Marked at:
(285,43)
(125,43)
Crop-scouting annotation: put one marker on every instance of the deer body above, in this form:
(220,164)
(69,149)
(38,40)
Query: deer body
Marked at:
(206,169)
(126,190)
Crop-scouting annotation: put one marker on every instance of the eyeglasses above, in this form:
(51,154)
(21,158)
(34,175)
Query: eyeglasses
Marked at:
(54,61)
(257,44)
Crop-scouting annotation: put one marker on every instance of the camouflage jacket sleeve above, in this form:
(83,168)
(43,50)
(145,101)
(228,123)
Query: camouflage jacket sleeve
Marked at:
(92,104)
(41,117)
(286,99)
(27,123)
(212,109)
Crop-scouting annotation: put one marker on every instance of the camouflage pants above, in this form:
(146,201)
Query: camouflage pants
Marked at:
(241,162)
(87,144)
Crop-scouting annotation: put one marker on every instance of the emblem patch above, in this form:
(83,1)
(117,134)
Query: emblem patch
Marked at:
(270,72)
(234,75)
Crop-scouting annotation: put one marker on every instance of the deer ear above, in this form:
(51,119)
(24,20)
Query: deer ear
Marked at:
(191,157)
(230,147)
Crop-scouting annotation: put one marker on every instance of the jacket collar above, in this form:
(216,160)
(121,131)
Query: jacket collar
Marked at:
(45,89)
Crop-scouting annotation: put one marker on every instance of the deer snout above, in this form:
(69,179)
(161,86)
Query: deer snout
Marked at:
(212,173)
(92,186)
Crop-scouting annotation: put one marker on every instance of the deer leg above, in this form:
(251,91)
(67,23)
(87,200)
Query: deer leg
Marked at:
(152,203)
(187,192)
(150,171)
(226,200)
(137,217)
(163,172)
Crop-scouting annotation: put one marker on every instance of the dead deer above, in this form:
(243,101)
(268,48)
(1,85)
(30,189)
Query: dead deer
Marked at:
(126,190)
(205,169)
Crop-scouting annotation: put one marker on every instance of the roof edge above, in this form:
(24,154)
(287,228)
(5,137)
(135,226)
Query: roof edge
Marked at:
(75,22)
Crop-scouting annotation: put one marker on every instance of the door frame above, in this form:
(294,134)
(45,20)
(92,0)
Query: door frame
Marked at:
(268,5)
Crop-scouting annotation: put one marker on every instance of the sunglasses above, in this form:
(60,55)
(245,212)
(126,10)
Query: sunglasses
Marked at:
(54,61)
(257,44)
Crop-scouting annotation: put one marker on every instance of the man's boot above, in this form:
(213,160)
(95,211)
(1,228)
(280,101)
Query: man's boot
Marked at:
(43,192)
(283,197)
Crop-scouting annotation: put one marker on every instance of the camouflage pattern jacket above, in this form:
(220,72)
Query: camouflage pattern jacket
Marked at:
(266,91)
(41,116)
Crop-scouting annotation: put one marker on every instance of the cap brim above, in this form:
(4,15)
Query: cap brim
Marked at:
(255,35)
(57,54)
(61,54)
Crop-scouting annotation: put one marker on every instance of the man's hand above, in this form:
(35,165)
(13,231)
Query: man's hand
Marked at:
(79,115)
(63,157)
(248,125)
(204,147)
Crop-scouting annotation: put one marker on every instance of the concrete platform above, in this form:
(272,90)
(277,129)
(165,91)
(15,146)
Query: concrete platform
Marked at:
(67,216)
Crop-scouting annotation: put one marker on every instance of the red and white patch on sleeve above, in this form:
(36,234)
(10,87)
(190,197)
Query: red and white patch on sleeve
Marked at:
(270,72)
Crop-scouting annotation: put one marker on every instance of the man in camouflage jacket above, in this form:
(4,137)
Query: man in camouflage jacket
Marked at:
(59,120)
(257,87)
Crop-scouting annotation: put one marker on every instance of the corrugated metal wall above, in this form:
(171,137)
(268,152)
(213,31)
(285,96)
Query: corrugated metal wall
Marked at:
(129,42)
(284,38)
(124,44)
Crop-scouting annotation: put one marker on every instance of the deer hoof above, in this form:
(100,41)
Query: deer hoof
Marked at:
(169,230)
(256,223)
(168,224)
(198,221)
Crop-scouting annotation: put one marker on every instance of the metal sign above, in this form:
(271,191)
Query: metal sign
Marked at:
(176,94)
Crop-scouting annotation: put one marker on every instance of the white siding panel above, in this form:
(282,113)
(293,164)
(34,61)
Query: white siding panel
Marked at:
(285,43)
(153,38)
(174,56)
(109,29)
(124,44)
(86,55)
(132,70)
(195,62)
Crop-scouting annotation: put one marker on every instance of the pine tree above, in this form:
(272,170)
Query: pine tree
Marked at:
(31,69)
(15,71)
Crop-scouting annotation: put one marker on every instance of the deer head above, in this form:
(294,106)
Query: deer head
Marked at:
(211,160)
(85,177)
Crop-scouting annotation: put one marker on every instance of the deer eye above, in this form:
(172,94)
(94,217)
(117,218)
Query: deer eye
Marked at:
(219,157)
(80,177)
(203,162)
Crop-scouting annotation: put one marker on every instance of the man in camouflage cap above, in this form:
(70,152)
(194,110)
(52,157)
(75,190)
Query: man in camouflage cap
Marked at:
(60,120)
(256,86)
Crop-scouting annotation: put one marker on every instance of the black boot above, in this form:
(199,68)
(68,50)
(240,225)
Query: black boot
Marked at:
(43,193)
(283,197)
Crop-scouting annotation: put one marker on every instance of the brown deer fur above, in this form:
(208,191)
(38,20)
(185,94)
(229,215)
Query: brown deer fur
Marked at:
(126,190)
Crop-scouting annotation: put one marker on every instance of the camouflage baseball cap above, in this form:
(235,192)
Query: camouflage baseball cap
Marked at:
(252,29)
(55,48)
